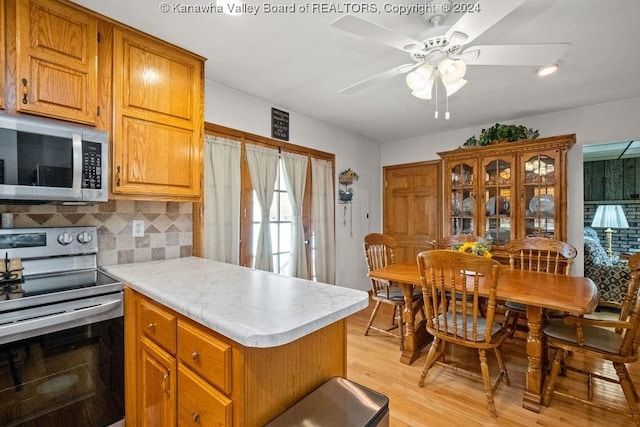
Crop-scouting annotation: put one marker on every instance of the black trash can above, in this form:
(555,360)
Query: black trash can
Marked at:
(337,402)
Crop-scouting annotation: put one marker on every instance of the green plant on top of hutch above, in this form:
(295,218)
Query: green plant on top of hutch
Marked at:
(502,133)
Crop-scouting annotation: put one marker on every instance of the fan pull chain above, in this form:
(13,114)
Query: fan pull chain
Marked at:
(435,83)
(446,114)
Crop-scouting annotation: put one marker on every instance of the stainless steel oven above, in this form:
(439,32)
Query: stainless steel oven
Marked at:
(61,331)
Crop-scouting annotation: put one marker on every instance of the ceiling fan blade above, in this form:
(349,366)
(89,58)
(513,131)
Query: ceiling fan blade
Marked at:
(472,24)
(368,29)
(526,54)
(379,77)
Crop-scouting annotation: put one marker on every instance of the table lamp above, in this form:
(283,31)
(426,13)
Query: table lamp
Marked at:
(609,216)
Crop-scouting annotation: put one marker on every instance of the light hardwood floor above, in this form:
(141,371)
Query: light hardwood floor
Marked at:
(453,399)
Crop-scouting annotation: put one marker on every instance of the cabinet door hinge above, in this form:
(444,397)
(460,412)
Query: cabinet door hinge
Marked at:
(99,38)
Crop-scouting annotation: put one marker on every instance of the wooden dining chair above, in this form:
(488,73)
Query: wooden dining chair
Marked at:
(595,341)
(379,250)
(443,273)
(536,254)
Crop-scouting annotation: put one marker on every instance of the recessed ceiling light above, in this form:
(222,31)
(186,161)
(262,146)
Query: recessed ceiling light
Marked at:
(547,70)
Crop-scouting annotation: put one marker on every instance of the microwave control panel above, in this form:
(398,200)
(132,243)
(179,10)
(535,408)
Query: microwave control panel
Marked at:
(91,165)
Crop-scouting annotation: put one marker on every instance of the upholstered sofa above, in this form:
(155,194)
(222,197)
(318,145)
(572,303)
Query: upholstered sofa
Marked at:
(610,275)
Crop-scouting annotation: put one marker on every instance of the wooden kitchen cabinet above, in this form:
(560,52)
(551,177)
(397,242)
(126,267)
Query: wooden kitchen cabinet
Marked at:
(219,381)
(199,403)
(176,367)
(507,191)
(56,69)
(157,381)
(158,123)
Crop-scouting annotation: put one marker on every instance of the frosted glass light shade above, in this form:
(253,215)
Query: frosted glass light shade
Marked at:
(454,87)
(452,71)
(418,79)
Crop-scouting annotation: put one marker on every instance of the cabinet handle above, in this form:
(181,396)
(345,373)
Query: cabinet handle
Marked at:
(195,355)
(25,91)
(166,391)
(151,326)
(196,417)
(117,176)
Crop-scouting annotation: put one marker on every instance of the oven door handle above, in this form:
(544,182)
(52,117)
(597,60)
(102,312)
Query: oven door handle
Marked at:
(53,322)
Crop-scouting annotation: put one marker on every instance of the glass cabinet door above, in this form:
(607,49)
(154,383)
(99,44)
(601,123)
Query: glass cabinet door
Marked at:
(540,186)
(462,198)
(498,198)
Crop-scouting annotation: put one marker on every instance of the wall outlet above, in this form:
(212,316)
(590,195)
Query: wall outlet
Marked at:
(137,228)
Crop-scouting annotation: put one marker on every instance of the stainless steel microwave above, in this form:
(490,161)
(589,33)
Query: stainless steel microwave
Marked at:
(47,161)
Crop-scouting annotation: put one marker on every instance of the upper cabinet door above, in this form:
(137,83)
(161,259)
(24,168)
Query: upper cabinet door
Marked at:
(158,118)
(57,61)
(461,202)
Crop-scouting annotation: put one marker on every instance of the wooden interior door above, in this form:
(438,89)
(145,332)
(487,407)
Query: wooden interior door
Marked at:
(411,206)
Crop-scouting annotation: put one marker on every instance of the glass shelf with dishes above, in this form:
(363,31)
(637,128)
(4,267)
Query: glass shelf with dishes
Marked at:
(462,199)
(539,195)
(498,193)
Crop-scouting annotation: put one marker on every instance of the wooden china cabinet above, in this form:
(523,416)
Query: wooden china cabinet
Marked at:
(507,190)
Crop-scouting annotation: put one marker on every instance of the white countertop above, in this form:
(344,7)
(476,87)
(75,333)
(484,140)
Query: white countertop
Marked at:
(252,307)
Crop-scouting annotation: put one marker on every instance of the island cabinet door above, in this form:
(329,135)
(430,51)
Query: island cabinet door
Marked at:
(199,403)
(156,386)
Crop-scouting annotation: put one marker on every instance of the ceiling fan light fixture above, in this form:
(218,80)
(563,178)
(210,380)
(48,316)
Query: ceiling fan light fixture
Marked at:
(418,79)
(425,93)
(547,70)
(452,88)
(451,71)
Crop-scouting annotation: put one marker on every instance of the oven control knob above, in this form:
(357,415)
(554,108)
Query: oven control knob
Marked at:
(84,237)
(65,238)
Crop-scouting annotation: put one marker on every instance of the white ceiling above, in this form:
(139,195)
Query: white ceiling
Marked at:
(298,62)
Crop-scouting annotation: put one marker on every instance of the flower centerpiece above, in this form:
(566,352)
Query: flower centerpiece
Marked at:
(476,248)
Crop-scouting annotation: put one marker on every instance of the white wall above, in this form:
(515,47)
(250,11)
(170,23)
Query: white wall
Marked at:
(236,110)
(610,122)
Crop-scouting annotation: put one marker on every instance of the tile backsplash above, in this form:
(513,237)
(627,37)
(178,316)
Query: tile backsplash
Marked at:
(168,227)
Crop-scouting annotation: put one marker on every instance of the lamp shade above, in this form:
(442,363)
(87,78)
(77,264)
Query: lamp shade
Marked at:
(418,80)
(609,216)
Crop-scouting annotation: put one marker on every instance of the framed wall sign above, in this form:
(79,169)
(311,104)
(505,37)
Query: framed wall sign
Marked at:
(279,124)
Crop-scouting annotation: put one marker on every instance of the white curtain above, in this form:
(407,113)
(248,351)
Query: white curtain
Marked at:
(323,221)
(295,175)
(222,199)
(263,168)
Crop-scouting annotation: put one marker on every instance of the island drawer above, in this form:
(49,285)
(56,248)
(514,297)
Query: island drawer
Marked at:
(158,324)
(206,355)
(199,403)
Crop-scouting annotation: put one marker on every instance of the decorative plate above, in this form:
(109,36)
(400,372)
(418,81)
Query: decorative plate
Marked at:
(502,203)
(467,206)
(543,204)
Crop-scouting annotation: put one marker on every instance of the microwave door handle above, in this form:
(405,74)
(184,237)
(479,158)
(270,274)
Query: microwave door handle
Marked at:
(77,165)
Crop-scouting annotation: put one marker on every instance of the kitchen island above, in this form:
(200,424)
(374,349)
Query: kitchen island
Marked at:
(216,343)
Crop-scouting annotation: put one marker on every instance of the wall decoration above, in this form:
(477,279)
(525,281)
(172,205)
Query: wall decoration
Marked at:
(279,124)
(346,179)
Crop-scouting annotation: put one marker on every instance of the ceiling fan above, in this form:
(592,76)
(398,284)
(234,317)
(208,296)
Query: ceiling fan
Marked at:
(446,55)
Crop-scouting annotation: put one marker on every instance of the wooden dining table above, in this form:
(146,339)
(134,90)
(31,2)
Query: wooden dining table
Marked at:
(537,290)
